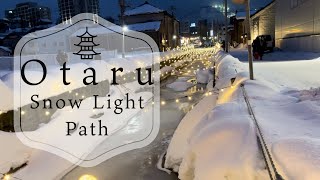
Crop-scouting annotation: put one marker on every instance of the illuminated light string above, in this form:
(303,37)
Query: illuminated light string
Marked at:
(47,113)
(177,100)
(8,177)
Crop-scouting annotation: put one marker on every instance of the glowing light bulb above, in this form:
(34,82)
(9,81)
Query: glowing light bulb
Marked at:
(88,177)
(6,177)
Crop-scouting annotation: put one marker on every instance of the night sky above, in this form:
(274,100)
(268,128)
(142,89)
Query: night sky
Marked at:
(111,8)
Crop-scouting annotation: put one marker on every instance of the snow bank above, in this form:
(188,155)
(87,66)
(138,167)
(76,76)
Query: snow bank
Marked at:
(217,139)
(290,122)
(179,142)
(213,156)
(13,152)
(204,76)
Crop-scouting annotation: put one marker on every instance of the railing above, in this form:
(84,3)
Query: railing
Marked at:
(272,171)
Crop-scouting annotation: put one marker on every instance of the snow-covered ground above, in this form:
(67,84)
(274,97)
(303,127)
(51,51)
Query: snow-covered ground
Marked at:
(285,69)
(220,142)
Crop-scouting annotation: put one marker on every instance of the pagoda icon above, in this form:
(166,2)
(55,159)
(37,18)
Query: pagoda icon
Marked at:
(86,44)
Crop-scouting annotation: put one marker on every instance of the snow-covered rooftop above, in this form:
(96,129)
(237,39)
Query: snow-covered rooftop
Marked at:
(5,48)
(147,26)
(145,8)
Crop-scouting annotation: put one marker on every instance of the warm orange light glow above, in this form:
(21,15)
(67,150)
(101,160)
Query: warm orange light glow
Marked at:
(6,177)
(88,177)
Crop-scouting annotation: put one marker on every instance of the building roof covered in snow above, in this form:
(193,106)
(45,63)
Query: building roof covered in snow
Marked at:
(5,49)
(147,26)
(145,8)
(99,30)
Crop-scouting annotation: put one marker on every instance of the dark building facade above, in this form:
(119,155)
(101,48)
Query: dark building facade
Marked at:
(29,14)
(70,8)
(263,21)
(157,23)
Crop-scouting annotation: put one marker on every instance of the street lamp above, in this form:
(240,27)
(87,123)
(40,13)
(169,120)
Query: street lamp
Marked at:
(124,29)
(247,3)
(174,37)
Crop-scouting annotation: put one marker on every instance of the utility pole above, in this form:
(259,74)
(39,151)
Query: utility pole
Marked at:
(124,28)
(226,26)
(249,42)
(122,9)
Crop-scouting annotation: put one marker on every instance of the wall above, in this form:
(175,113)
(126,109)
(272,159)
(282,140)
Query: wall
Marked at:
(298,25)
(263,22)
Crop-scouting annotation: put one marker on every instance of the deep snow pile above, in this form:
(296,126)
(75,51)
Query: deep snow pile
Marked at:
(217,139)
(14,154)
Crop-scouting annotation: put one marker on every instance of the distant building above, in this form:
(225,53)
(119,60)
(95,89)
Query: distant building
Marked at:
(157,23)
(28,14)
(185,28)
(203,30)
(70,8)
(193,29)
(239,32)
(222,33)
(263,21)
(4,25)
(10,40)
(4,51)
(297,26)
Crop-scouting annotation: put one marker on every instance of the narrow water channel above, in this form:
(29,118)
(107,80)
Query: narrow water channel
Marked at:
(140,164)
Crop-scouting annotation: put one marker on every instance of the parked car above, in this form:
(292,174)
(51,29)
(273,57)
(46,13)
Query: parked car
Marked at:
(268,42)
